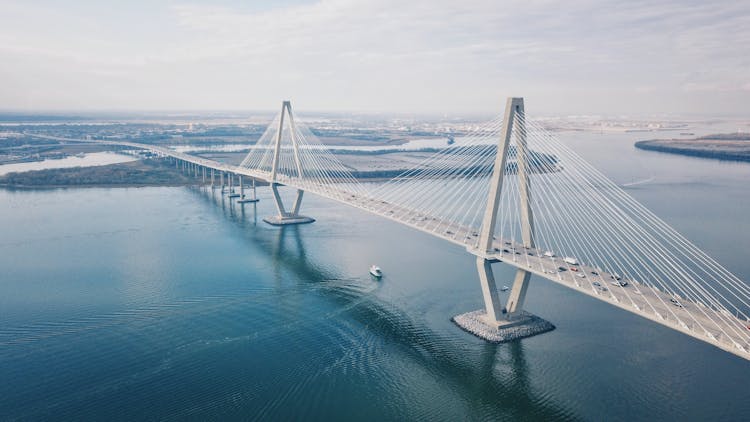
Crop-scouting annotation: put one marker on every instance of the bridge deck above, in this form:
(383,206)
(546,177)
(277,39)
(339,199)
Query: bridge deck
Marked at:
(703,322)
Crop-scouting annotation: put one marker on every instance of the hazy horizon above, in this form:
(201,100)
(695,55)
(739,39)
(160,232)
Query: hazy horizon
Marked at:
(373,57)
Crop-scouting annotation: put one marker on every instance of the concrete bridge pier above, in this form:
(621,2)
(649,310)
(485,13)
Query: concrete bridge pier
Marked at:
(232,193)
(284,217)
(244,200)
(511,322)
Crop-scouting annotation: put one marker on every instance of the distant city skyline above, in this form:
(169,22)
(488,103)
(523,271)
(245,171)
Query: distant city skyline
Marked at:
(583,57)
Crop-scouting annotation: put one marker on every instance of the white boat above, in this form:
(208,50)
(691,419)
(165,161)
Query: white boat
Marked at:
(375,271)
(504,288)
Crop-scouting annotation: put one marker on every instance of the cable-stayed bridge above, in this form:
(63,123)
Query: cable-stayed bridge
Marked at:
(511,192)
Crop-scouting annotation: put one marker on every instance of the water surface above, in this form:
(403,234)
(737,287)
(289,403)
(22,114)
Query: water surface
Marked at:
(87,160)
(171,303)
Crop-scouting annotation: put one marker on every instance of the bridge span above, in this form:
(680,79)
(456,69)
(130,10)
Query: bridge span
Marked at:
(510,192)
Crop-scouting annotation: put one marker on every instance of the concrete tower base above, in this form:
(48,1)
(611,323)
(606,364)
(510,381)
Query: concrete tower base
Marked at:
(522,326)
(276,220)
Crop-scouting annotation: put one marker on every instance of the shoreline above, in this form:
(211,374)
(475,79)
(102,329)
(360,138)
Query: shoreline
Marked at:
(717,149)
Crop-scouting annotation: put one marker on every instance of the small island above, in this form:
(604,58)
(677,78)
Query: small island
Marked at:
(731,147)
(147,172)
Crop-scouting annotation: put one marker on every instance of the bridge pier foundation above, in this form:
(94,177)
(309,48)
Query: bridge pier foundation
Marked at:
(244,200)
(284,217)
(511,322)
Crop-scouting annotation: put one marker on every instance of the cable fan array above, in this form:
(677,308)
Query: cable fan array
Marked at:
(580,213)
(577,213)
(303,161)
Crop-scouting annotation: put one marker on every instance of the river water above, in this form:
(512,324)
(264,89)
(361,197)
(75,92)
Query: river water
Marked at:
(171,303)
(86,160)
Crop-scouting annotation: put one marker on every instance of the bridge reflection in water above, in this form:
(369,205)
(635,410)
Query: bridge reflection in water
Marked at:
(493,381)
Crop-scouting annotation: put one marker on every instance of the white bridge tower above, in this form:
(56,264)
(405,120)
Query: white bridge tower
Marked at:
(495,322)
(285,217)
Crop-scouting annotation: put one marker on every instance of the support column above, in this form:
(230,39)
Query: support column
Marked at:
(212,179)
(494,323)
(231,189)
(489,291)
(244,200)
(283,217)
(521,282)
(486,240)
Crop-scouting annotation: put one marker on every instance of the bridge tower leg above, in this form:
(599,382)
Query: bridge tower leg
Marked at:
(283,216)
(495,323)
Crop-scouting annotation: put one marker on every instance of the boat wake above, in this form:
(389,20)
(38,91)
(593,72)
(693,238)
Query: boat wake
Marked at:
(638,182)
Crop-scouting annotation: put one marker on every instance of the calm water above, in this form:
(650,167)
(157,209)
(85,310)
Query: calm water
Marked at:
(87,160)
(168,303)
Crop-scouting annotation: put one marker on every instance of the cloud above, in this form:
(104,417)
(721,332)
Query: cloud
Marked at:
(389,55)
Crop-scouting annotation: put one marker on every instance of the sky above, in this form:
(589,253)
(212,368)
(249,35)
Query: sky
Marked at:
(573,57)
